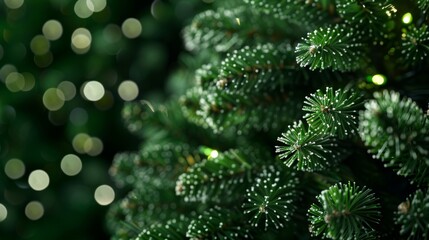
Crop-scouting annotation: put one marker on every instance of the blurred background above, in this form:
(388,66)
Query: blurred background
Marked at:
(66,69)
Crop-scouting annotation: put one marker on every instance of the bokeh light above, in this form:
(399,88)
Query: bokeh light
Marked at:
(3,212)
(93,146)
(38,180)
(79,141)
(93,90)
(52,30)
(128,90)
(97,5)
(214,154)
(104,195)
(14,168)
(131,28)
(407,18)
(14,4)
(78,116)
(81,40)
(40,45)
(15,82)
(53,99)
(112,33)
(378,79)
(83,8)
(71,165)
(5,70)
(68,89)
(30,81)
(34,210)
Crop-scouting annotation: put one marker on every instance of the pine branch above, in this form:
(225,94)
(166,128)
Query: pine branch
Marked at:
(413,216)
(339,48)
(306,14)
(270,200)
(423,5)
(228,29)
(396,131)
(344,211)
(308,150)
(122,169)
(370,16)
(415,45)
(221,176)
(263,68)
(333,112)
(218,223)
(174,229)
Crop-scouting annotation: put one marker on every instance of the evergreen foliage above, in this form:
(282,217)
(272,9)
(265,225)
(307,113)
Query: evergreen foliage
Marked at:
(344,212)
(412,215)
(325,78)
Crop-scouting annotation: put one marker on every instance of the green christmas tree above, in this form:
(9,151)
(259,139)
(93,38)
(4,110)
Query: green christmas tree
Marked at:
(288,119)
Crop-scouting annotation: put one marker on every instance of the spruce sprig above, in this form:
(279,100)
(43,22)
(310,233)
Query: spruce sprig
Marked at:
(221,174)
(306,14)
(173,229)
(423,5)
(257,69)
(413,216)
(344,211)
(370,16)
(218,223)
(415,45)
(333,112)
(337,47)
(270,200)
(396,130)
(307,150)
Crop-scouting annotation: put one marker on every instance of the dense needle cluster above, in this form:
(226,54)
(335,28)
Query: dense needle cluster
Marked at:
(396,130)
(413,216)
(344,211)
(271,198)
(252,81)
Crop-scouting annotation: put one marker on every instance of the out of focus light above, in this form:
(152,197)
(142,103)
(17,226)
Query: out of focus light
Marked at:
(112,33)
(13,4)
(78,116)
(96,5)
(14,168)
(15,82)
(82,10)
(53,99)
(34,210)
(38,180)
(81,40)
(29,81)
(93,90)
(214,154)
(93,146)
(104,195)
(378,79)
(39,45)
(407,18)
(131,28)
(128,90)
(3,212)
(78,142)
(52,30)
(68,89)
(71,165)
(5,70)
